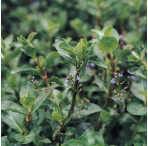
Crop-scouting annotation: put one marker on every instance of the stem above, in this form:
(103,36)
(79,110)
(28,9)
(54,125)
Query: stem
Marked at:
(112,64)
(28,118)
(109,95)
(43,72)
(111,85)
(96,24)
(75,94)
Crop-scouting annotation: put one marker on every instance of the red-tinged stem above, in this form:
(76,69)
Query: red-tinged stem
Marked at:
(43,72)
(28,120)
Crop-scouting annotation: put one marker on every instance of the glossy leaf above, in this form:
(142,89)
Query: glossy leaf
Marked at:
(90,108)
(9,105)
(136,109)
(27,89)
(41,98)
(13,120)
(26,69)
(25,139)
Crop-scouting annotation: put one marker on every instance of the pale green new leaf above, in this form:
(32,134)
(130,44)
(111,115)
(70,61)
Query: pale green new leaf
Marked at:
(31,36)
(108,44)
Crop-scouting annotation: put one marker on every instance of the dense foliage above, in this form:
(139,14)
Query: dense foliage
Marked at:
(74,73)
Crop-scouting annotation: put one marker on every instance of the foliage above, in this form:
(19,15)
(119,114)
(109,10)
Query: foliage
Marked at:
(74,73)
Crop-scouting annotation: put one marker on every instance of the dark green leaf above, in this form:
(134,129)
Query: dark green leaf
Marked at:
(90,108)
(41,98)
(56,80)
(26,69)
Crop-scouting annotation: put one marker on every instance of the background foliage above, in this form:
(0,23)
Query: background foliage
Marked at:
(122,121)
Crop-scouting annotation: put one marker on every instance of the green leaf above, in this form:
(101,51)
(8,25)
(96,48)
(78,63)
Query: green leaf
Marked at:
(12,54)
(81,48)
(98,61)
(65,46)
(4,141)
(105,116)
(98,32)
(9,105)
(56,80)
(142,126)
(31,36)
(91,138)
(108,44)
(30,50)
(25,139)
(27,101)
(41,98)
(108,31)
(115,34)
(56,116)
(90,108)
(136,109)
(51,57)
(56,132)
(42,61)
(135,55)
(67,119)
(122,53)
(73,142)
(63,52)
(139,140)
(29,87)
(46,140)
(13,120)
(22,40)
(26,69)
(135,88)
